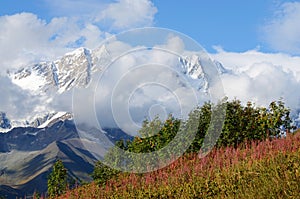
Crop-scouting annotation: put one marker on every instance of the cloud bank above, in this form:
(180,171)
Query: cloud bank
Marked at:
(17,103)
(141,84)
(261,77)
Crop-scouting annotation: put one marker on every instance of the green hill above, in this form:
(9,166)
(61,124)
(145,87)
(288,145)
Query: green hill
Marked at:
(265,169)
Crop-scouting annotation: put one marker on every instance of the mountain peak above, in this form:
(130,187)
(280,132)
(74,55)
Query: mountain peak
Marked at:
(78,52)
(74,69)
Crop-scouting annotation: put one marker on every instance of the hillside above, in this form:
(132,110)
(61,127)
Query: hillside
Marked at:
(267,169)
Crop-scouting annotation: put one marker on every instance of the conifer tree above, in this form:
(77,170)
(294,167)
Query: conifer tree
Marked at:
(57,180)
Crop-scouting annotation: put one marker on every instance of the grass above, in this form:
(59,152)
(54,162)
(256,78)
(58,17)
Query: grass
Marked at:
(267,169)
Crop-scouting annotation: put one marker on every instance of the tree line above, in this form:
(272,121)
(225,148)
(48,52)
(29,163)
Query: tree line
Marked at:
(236,122)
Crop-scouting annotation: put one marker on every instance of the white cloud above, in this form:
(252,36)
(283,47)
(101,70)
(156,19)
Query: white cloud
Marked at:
(261,77)
(244,60)
(17,103)
(24,38)
(282,32)
(114,15)
(133,84)
(111,15)
(128,13)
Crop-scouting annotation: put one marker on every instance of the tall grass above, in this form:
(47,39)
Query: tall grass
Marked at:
(267,169)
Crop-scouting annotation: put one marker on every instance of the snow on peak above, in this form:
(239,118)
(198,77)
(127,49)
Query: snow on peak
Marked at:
(72,70)
(78,52)
(192,66)
(37,121)
(28,79)
(75,70)
(54,118)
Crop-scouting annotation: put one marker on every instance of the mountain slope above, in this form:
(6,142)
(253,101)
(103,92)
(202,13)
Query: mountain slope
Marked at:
(31,174)
(27,155)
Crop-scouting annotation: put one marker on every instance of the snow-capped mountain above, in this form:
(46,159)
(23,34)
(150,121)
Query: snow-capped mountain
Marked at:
(46,79)
(44,121)
(192,66)
(50,119)
(74,69)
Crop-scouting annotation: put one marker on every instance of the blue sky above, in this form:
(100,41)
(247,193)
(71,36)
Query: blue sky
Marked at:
(234,25)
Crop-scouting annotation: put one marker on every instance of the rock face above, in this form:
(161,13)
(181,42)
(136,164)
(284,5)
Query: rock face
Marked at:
(4,121)
(34,139)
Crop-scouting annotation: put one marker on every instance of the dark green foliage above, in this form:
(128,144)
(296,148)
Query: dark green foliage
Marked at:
(102,173)
(154,135)
(201,116)
(242,123)
(228,123)
(57,180)
(127,155)
(36,195)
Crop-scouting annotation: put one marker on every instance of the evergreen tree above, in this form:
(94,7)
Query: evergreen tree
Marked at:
(57,180)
